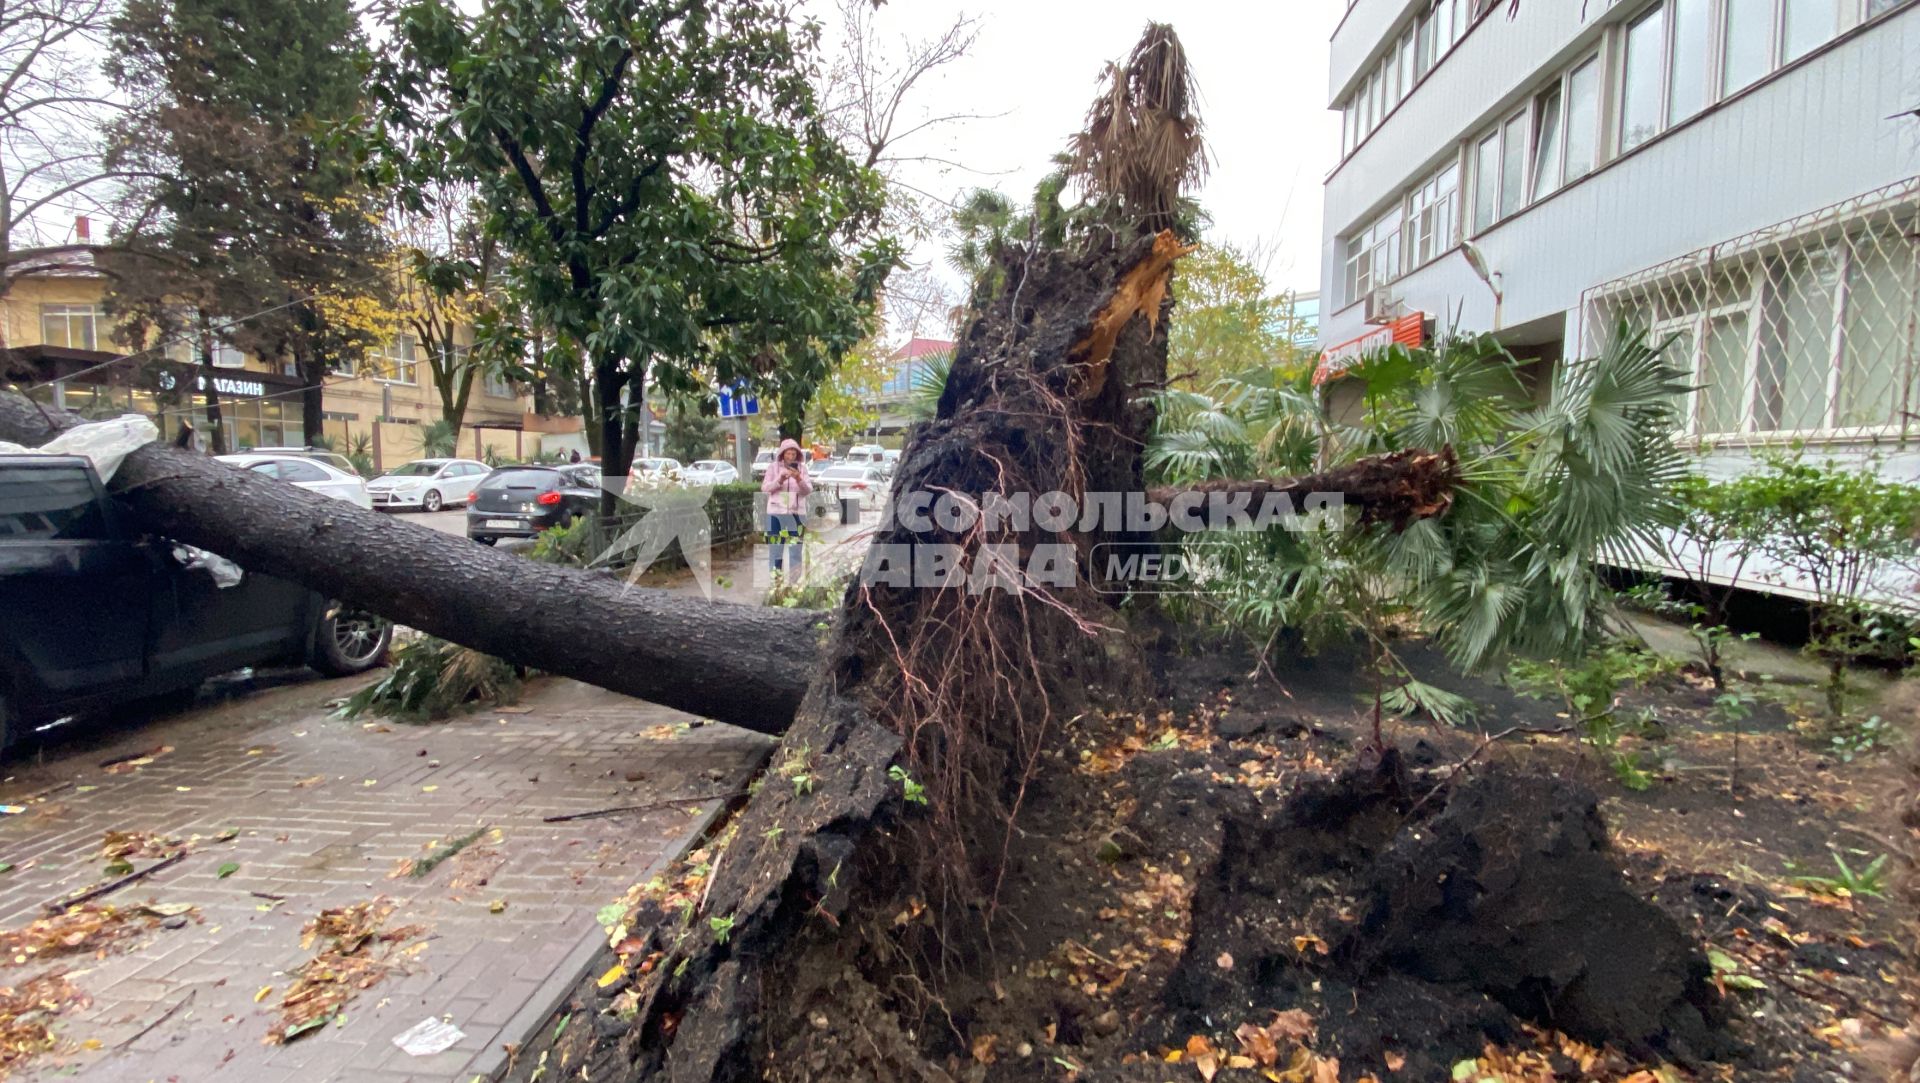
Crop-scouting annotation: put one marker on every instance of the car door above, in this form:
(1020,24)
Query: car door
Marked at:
(469,479)
(73,587)
(199,628)
(315,477)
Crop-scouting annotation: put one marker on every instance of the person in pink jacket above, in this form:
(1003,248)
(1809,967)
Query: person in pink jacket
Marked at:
(787,487)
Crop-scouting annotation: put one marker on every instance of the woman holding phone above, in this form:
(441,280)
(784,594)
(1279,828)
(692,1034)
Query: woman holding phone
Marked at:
(787,487)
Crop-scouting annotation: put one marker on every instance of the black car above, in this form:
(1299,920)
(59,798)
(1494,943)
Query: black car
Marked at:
(92,616)
(522,501)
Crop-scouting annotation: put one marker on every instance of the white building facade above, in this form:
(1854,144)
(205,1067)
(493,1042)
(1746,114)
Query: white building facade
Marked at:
(1741,174)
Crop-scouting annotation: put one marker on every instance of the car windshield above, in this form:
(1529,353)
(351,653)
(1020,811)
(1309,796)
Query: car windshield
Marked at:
(423,469)
(710,464)
(764,457)
(522,477)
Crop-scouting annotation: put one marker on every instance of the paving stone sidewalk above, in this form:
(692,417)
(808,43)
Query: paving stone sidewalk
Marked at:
(326,810)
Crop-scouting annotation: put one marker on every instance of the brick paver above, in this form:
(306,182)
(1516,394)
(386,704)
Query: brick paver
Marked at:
(326,808)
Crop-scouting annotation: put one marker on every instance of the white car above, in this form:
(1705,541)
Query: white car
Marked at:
(865,482)
(306,473)
(655,472)
(428,484)
(711,472)
(320,455)
(761,462)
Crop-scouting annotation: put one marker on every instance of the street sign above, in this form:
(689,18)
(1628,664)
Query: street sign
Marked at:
(735,401)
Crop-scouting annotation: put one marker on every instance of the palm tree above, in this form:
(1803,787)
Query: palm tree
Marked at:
(1141,146)
(1547,494)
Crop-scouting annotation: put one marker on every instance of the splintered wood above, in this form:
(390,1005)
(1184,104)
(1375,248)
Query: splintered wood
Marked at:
(1139,292)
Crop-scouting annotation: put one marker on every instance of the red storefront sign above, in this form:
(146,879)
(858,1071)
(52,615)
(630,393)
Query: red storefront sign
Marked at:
(1409,330)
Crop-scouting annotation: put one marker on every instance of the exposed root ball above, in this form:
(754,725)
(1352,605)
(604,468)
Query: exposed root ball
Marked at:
(1427,929)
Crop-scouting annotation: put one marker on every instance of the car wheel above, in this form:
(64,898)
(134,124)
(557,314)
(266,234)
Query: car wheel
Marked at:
(431,502)
(350,640)
(484,541)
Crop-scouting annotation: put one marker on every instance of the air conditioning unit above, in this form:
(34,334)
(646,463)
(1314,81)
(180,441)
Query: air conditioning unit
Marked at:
(1380,307)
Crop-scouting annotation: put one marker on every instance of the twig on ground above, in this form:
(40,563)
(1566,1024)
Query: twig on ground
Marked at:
(649,807)
(112,886)
(1489,742)
(164,1016)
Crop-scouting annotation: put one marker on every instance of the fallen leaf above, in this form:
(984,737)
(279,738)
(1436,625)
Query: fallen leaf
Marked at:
(983,1048)
(428,789)
(614,973)
(309,782)
(1258,1044)
(262,994)
(497,906)
(1294,1025)
(1225,961)
(1395,1061)
(226,870)
(1201,1052)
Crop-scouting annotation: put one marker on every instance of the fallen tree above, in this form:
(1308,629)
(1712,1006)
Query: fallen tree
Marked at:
(740,664)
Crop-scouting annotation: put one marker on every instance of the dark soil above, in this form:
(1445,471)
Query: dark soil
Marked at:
(1237,853)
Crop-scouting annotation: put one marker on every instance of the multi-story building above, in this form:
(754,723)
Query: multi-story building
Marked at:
(1741,176)
(60,343)
(910,366)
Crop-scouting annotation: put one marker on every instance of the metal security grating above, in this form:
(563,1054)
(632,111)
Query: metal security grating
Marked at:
(1805,330)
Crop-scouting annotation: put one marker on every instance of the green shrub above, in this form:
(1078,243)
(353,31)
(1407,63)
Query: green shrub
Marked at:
(1839,530)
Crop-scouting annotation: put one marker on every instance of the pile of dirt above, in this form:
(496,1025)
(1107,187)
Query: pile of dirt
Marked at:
(1418,922)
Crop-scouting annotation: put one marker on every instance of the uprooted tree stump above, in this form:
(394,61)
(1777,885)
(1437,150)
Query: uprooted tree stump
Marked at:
(1428,917)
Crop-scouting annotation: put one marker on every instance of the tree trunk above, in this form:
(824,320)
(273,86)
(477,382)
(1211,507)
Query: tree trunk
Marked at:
(739,664)
(615,455)
(217,429)
(941,683)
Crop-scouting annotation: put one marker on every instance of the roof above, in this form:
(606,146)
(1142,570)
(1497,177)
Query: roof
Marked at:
(56,259)
(921,347)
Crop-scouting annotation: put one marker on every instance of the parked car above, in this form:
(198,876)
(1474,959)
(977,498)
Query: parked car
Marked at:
(891,460)
(428,484)
(761,462)
(655,471)
(522,501)
(711,472)
(320,455)
(308,473)
(862,481)
(93,616)
(865,454)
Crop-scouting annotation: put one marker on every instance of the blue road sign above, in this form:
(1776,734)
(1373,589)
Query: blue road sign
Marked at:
(735,402)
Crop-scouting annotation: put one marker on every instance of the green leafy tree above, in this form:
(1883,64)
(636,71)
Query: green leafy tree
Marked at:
(242,224)
(1229,323)
(660,175)
(687,434)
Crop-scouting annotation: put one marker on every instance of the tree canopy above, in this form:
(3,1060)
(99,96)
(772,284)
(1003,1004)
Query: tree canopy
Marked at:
(661,176)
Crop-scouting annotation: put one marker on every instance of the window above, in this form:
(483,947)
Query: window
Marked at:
(1513,165)
(1433,216)
(396,363)
(1805,26)
(1423,53)
(1818,339)
(1546,143)
(295,470)
(75,327)
(1687,70)
(1796,336)
(185,348)
(1486,182)
(50,502)
(1407,65)
(1583,119)
(1373,258)
(1747,43)
(1640,82)
(497,387)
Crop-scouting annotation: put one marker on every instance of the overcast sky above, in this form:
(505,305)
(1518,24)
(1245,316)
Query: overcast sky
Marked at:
(1262,70)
